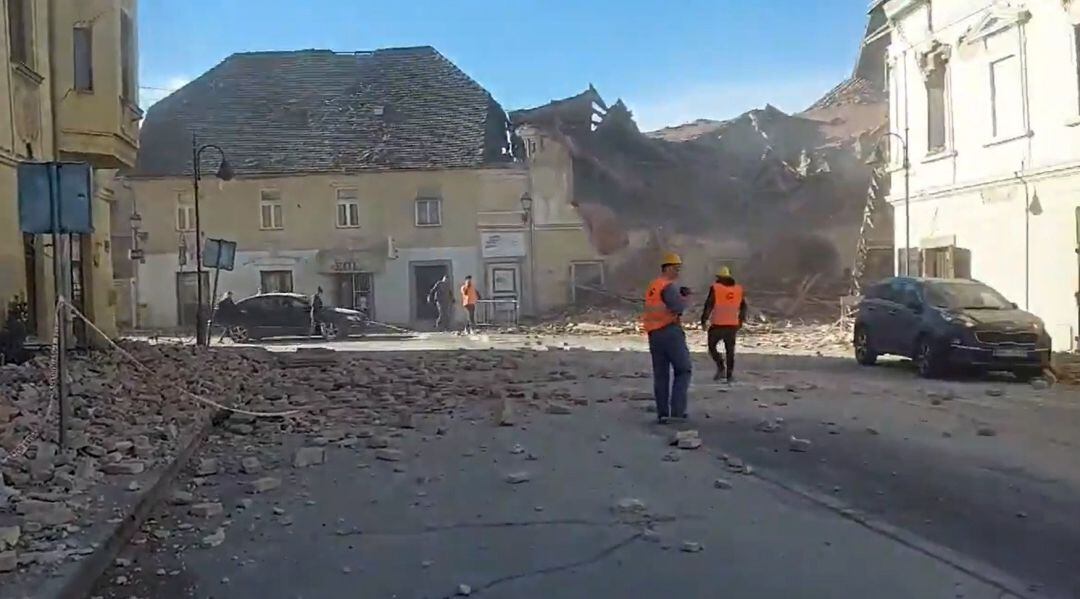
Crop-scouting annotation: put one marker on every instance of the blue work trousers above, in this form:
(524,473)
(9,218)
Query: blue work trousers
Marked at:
(669,352)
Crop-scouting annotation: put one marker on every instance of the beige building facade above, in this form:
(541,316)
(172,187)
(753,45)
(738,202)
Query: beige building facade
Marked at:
(69,73)
(987,96)
(432,195)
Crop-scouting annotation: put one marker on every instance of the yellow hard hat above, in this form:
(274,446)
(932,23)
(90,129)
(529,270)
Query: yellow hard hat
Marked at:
(671,258)
(723,271)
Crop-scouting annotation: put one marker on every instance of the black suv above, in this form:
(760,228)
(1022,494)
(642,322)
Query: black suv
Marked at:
(947,324)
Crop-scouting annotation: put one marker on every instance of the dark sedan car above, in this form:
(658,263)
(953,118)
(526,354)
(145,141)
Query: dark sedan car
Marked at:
(285,315)
(949,324)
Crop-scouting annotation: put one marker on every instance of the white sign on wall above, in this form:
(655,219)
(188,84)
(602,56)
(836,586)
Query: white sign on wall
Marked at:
(502,245)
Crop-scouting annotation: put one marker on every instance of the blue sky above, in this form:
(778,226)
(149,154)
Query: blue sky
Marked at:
(671,61)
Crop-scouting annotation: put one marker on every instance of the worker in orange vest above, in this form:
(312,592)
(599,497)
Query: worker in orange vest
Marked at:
(664,305)
(724,315)
(469,297)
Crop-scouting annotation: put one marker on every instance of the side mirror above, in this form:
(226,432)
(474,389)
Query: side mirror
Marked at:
(1014,306)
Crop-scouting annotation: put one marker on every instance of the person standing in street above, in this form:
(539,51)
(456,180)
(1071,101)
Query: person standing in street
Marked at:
(664,305)
(443,299)
(724,315)
(469,297)
(316,312)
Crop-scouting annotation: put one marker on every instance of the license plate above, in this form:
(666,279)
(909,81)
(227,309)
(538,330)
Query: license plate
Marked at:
(1010,353)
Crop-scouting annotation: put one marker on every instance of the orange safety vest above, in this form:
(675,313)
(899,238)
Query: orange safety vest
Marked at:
(657,315)
(468,295)
(726,302)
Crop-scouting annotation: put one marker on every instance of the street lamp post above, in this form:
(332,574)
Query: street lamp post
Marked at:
(527,218)
(877,159)
(1031,206)
(225,174)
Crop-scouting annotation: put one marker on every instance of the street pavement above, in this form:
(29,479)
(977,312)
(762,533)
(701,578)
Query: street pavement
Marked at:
(902,488)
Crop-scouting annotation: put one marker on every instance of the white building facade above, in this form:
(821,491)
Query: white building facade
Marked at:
(987,100)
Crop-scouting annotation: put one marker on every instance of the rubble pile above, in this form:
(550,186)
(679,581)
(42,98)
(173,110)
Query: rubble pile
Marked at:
(125,422)
(1066,368)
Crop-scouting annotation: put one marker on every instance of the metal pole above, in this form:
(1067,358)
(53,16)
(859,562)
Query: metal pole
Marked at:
(907,218)
(213,297)
(532,260)
(199,325)
(1027,247)
(60,317)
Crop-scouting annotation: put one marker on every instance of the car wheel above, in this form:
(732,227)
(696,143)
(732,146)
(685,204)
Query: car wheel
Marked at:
(864,352)
(239,333)
(330,331)
(928,359)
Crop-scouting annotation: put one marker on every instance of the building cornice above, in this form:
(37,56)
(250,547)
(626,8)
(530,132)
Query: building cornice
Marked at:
(897,9)
(1030,176)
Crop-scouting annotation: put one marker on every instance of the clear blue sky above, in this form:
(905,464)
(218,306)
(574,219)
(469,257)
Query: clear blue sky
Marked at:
(671,61)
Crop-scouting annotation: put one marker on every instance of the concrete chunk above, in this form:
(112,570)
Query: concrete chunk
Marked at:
(9,537)
(206,467)
(206,510)
(9,561)
(388,455)
(129,468)
(309,456)
(250,465)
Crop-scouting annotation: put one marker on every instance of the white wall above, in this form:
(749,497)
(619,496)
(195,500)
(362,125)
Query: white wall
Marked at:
(394,295)
(971,190)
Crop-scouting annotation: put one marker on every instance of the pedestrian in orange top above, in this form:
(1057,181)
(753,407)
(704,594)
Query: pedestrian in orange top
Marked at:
(469,296)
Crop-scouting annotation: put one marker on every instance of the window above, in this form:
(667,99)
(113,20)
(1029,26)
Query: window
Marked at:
(128,90)
(21,32)
(1006,103)
(275,281)
(935,110)
(270,210)
(348,209)
(428,212)
(185,216)
(83,43)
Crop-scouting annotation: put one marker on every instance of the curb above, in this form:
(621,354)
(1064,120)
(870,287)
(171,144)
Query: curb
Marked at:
(79,584)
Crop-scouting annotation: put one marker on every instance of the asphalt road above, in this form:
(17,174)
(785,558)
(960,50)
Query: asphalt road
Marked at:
(909,489)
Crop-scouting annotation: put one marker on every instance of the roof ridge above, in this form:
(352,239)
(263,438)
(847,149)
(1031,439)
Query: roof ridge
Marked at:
(329,52)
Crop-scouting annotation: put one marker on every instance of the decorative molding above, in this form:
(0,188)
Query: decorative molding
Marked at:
(935,57)
(996,20)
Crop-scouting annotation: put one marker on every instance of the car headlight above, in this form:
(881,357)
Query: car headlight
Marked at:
(355,318)
(958,319)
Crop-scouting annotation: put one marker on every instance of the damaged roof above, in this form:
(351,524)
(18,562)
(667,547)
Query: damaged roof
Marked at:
(312,111)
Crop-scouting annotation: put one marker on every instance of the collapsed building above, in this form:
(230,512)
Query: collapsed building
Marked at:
(785,198)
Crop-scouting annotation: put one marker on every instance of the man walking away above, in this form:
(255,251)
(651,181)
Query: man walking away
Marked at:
(316,312)
(724,315)
(442,297)
(469,297)
(225,314)
(664,305)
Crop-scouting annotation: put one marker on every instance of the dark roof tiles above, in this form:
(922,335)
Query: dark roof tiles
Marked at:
(319,111)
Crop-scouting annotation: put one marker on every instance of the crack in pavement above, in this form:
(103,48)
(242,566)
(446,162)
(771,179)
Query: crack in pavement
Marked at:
(606,552)
(645,521)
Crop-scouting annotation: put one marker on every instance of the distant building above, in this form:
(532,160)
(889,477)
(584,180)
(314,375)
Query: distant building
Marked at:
(70,82)
(370,174)
(988,100)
